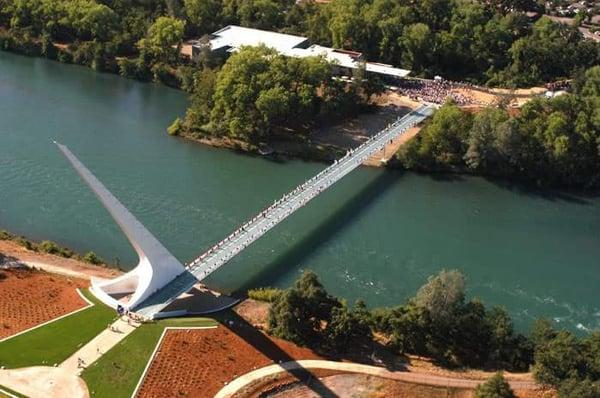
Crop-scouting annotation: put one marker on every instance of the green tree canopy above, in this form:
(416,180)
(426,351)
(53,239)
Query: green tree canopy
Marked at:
(442,294)
(299,313)
(164,39)
(204,15)
(494,387)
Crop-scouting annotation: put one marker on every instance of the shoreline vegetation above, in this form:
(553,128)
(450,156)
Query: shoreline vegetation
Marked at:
(437,323)
(52,248)
(256,99)
(548,142)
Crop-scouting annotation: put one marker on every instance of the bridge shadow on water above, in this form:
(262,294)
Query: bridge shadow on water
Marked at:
(240,327)
(324,230)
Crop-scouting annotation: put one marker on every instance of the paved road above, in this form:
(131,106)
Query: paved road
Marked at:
(411,377)
(268,218)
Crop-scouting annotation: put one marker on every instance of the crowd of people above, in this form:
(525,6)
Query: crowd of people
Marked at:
(434,91)
(291,201)
(558,85)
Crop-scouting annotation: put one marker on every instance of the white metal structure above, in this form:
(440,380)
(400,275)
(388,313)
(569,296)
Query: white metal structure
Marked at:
(156,266)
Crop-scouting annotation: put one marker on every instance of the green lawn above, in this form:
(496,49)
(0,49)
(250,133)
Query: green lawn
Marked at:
(117,372)
(56,341)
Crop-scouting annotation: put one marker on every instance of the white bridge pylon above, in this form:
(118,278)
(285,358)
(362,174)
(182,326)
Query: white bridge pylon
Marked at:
(156,266)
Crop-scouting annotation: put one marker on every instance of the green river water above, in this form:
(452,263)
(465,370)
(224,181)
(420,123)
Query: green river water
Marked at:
(376,234)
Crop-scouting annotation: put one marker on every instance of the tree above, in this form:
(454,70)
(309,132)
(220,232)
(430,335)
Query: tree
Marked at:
(164,39)
(441,143)
(591,348)
(442,295)
(347,25)
(204,15)
(260,14)
(92,258)
(591,85)
(552,50)
(347,326)
(575,388)
(559,359)
(410,329)
(481,152)
(96,21)
(494,387)
(417,41)
(299,313)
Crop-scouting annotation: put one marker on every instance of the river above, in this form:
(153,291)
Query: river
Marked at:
(377,234)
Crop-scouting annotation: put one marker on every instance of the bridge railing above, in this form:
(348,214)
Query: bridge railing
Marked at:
(303,193)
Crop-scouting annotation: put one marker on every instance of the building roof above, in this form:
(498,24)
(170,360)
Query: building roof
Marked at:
(385,69)
(232,37)
(237,36)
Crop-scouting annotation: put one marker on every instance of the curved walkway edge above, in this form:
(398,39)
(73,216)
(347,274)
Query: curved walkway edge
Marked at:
(420,378)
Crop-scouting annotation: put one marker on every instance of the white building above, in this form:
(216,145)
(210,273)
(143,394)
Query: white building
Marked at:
(232,37)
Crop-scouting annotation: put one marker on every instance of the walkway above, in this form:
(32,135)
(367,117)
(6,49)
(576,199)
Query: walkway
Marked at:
(98,346)
(245,380)
(44,382)
(268,218)
(64,380)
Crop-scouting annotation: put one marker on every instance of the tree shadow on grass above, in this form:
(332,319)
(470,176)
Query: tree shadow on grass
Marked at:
(267,347)
(324,231)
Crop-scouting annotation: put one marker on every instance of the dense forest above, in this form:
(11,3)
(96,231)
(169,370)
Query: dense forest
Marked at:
(550,141)
(491,42)
(440,323)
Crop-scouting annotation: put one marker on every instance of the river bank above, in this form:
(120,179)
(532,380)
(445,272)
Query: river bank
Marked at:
(13,252)
(329,142)
(239,335)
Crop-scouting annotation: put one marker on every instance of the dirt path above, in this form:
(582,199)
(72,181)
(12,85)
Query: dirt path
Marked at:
(243,381)
(382,157)
(55,264)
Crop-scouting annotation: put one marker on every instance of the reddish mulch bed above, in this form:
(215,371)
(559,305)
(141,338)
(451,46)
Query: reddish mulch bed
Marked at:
(198,363)
(29,298)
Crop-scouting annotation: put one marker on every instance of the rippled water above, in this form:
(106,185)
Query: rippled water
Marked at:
(376,234)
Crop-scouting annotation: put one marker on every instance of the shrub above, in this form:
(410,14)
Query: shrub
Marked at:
(5,235)
(175,127)
(161,73)
(64,57)
(50,247)
(92,258)
(267,294)
(25,243)
(494,387)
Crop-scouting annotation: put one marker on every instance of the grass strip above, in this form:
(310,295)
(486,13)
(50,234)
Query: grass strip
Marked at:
(53,343)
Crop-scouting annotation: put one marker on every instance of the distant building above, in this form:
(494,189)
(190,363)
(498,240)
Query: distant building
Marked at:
(232,37)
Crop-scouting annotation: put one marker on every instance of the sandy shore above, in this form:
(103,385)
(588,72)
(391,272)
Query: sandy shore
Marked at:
(54,264)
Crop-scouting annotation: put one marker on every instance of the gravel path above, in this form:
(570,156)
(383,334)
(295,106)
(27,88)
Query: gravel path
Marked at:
(420,378)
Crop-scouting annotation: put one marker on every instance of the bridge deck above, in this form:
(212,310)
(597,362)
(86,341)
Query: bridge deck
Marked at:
(245,235)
